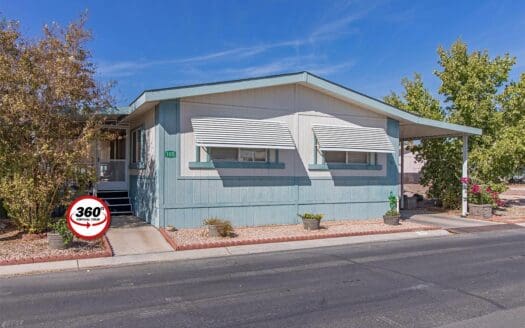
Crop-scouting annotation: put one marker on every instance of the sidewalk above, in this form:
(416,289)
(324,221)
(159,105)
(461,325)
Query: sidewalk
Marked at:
(442,220)
(77,265)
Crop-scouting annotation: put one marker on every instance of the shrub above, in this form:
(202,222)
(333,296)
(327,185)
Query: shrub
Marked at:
(3,213)
(483,194)
(311,216)
(60,227)
(50,112)
(224,227)
(392,203)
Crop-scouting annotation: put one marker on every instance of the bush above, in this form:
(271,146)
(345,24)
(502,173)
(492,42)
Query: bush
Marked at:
(49,79)
(392,203)
(60,227)
(484,194)
(311,216)
(3,213)
(224,227)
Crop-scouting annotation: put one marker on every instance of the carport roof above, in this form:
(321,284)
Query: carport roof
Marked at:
(411,126)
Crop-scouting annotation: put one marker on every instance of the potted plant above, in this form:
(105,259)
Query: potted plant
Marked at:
(218,227)
(311,221)
(391,217)
(59,236)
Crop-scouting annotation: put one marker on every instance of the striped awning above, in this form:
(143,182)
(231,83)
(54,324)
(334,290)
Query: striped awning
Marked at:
(349,138)
(241,133)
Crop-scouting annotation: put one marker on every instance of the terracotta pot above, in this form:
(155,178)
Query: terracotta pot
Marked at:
(311,224)
(391,219)
(482,211)
(55,241)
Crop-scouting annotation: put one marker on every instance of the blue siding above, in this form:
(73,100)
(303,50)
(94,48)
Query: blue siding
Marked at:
(276,200)
(142,197)
(251,200)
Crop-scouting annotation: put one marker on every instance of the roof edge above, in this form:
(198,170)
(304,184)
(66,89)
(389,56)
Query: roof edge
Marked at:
(341,91)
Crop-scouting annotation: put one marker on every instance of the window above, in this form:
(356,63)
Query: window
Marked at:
(252,155)
(335,157)
(137,146)
(353,157)
(238,155)
(349,157)
(223,154)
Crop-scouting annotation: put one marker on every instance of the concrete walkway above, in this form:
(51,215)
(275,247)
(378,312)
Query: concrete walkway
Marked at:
(76,265)
(443,220)
(129,235)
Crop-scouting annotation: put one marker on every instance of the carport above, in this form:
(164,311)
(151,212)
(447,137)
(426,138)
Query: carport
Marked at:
(418,128)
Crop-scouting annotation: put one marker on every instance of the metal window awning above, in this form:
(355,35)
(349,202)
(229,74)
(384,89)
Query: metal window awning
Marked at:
(241,133)
(349,138)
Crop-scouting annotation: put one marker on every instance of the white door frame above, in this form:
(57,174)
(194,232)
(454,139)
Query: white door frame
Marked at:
(115,185)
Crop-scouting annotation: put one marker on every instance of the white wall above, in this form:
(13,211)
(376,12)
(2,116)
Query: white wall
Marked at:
(299,106)
(147,120)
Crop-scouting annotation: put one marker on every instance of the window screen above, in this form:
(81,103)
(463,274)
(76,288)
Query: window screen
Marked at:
(354,157)
(252,155)
(335,157)
(136,146)
(223,154)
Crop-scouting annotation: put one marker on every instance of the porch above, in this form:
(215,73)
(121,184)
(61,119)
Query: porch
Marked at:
(112,169)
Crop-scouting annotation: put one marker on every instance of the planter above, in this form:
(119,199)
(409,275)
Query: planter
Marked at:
(410,203)
(481,211)
(311,224)
(55,241)
(391,219)
(214,230)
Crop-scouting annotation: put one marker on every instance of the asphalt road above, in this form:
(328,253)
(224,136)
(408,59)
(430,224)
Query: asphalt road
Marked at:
(467,280)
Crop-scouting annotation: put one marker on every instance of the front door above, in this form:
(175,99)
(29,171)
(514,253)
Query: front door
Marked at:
(112,169)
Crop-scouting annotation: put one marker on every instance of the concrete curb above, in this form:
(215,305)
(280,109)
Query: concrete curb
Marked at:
(83,264)
(508,219)
(227,243)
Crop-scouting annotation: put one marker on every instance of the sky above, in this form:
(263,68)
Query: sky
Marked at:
(368,46)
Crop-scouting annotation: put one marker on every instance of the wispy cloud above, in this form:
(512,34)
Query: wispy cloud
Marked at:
(295,63)
(306,58)
(130,67)
(334,28)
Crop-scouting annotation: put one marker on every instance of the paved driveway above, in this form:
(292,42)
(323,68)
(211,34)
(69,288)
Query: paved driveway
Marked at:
(129,235)
(443,220)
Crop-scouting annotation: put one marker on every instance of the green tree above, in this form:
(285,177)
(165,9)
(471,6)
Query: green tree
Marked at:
(49,106)
(477,92)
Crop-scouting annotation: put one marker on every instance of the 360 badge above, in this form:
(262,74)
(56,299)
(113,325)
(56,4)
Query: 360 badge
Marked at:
(88,217)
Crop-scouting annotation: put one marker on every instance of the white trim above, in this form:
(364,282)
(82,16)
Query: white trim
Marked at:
(241,146)
(361,150)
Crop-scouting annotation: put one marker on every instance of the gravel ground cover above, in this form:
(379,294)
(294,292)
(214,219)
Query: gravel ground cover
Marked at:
(197,237)
(17,248)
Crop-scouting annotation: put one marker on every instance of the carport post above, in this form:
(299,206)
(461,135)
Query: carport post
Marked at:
(464,175)
(401,185)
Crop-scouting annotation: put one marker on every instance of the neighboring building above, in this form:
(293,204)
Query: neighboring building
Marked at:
(259,151)
(412,168)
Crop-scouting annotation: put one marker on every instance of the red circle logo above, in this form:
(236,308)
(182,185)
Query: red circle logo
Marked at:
(88,217)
